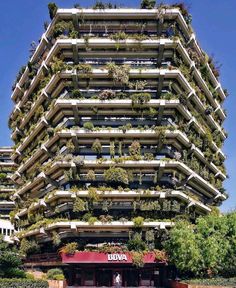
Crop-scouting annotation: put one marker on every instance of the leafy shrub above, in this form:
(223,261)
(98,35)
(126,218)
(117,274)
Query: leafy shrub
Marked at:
(3,176)
(140,98)
(137,258)
(79,205)
(63,28)
(91,176)
(106,95)
(136,243)
(92,220)
(28,246)
(116,175)
(75,93)
(160,255)
(119,73)
(69,248)
(23,283)
(219,281)
(55,274)
(138,221)
(57,65)
(88,126)
(135,150)
(119,36)
(56,239)
(84,69)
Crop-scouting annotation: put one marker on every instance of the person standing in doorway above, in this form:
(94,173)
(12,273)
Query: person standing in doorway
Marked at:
(117,280)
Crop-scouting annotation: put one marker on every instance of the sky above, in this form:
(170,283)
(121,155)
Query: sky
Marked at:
(214,22)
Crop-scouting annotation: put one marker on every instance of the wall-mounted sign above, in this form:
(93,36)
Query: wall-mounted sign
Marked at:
(100,257)
(116,257)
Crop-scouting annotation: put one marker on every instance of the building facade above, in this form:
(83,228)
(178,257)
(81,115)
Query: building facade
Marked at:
(7,189)
(118,132)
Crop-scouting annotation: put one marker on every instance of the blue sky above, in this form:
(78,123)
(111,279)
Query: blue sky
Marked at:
(213,20)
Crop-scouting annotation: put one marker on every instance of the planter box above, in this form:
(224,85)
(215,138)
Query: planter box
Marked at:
(176,284)
(57,283)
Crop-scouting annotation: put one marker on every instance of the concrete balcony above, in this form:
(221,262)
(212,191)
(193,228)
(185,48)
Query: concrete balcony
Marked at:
(98,225)
(117,195)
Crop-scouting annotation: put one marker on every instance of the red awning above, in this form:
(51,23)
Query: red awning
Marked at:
(99,257)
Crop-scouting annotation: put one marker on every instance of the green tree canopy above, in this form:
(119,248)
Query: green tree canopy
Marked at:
(10,261)
(205,248)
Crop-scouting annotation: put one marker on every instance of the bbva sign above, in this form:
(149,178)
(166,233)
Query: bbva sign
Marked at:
(116,257)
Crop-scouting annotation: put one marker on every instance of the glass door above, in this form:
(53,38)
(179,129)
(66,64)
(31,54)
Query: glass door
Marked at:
(88,277)
(131,277)
(104,277)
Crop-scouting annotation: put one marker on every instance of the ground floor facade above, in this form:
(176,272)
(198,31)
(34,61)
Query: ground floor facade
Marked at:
(97,269)
(104,276)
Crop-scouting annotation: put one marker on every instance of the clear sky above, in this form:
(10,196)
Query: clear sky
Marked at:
(214,22)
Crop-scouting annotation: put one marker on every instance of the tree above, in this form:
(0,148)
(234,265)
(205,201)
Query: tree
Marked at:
(213,242)
(10,261)
(182,248)
(52,9)
(147,4)
(228,266)
(206,248)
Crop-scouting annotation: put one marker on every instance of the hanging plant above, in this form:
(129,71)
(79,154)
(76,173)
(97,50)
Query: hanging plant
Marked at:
(149,236)
(56,239)
(80,205)
(92,194)
(137,258)
(90,176)
(135,243)
(97,146)
(70,146)
(135,150)
(140,178)
(112,149)
(105,206)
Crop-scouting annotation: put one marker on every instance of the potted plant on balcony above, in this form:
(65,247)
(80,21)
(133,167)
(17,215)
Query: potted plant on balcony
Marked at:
(116,175)
(69,248)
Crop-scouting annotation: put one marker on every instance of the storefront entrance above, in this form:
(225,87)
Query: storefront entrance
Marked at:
(105,277)
(97,269)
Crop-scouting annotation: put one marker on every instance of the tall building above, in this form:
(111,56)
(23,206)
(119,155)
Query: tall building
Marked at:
(7,168)
(118,132)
